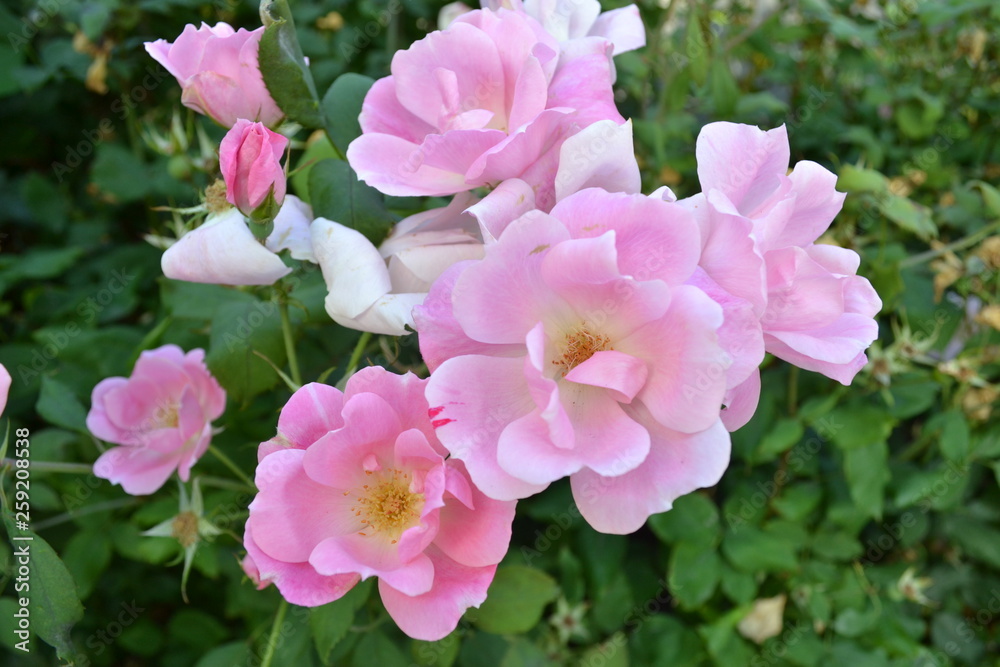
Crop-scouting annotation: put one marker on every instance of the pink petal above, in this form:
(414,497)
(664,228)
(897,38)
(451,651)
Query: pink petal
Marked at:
(477,534)
(371,556)
(435,614)
(677,464)
(139,470)
(583,81)
(623,27)
(741,402)
(504,204)
(816,203)
(623,375)
(98,422)
(312,412)
(354,271)
(601,156)
(743,162)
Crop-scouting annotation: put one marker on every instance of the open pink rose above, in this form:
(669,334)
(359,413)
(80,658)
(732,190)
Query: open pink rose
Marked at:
(759,226)
(570,20)
(4,387)
(446,122)
(161,416)
(356,485)
(250,160)
(218,72)
(574,348)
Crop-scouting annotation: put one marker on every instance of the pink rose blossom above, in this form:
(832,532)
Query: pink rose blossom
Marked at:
(250,160)
(4,387)
(161,416)
(375,289)
(759,227)
(223,250)
(357,485)
(574,348)
(447,122)
(218,72)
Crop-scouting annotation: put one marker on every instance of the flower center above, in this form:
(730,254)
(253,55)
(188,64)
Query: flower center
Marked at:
(185,528)
(579,345)
(387,506)
(166,416)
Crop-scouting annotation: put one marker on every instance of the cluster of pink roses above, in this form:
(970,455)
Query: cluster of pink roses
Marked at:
(573,327)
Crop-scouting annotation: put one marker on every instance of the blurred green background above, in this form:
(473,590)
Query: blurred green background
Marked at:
(856,526)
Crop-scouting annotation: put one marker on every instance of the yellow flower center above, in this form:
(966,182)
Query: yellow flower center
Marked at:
(185,528)
(579,345)
(166,416)
(387,506)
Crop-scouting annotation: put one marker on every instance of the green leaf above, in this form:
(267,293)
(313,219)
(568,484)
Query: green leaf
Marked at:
(751,549)
(696,49)
(991,197)
(780,439)
(53,602)
(342,107)
(88,554)
(853,179)
(377,649)
(857,425)
(977,538)
(725,92)
(227,655)
(283,66)
(910,216)
(867,471)
(693,574)
(337,194)
(694,518)
(954,436)
(610,653)
(239,329)
(58,405)
(853,623)
(740,587)
(515,601)
(329,624)
(441,653)
(318,148)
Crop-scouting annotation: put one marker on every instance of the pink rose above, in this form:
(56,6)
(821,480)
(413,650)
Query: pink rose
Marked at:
(374,289)
(570,20)
(574,348)
(218,72)
(356,485)
(250,160)
(4,387)
(759,227)
(161,416)
(223,250)
(445,122)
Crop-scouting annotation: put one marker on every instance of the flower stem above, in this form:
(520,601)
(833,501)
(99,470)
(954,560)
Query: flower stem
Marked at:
(963,242)
(56,466)
(228,462)
(359,349)
(286,330)
(272,640)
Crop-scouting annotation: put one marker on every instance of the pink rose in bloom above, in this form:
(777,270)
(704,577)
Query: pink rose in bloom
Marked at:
(445,122)
(223,250)
(357,485)
(250,159)
(575,348)
(375,289)
(4,387)
(218,72)
(759,228)
(161,416)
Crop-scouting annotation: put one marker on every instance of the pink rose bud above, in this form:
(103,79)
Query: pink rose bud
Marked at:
(218,71)
(161,416)
(250,158)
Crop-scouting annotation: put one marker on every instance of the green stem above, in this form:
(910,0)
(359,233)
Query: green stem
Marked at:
(90,509)
(964,242)
(286,330)
(223,483)
(272,640)
(55,466)
(359,349)
(228,462)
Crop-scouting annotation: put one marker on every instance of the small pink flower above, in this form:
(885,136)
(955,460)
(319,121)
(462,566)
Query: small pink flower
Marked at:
(161,416)
(4,387)
(574,348)
(759,226)
(357,485)
(375,289)
(445,122)
(218,72)
(250,159)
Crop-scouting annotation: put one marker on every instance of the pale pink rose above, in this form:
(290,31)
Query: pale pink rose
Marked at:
(375,289)
(223,250)
(446,122)
(759,226)
(574,348)
(161,416)
(356,485)
(4,387)
(218,72)
(250,160)
(569,20)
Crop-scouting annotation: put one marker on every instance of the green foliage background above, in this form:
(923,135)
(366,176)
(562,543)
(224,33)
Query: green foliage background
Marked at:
(873,510)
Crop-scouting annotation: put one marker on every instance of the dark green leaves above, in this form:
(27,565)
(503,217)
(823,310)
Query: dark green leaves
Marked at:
(284,68)
(342,106)
(516,600)
(338,195)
